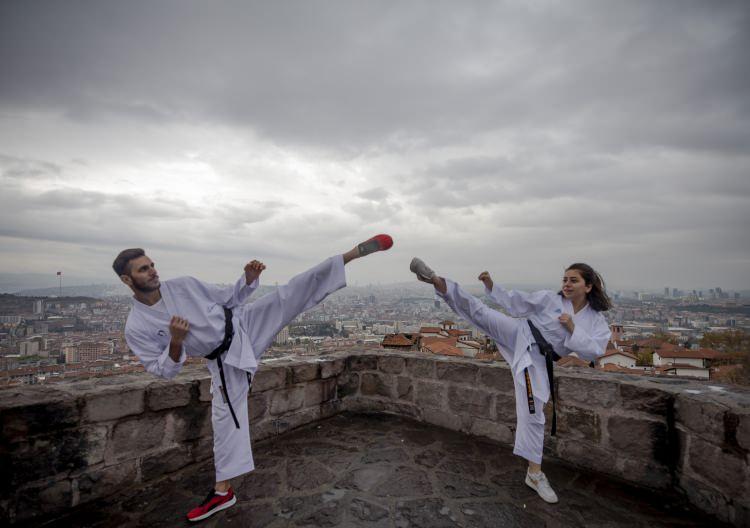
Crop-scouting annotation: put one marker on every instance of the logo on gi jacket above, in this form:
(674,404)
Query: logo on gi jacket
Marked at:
(161,333)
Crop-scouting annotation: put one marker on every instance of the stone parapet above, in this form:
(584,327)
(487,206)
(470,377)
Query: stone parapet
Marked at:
(69,444)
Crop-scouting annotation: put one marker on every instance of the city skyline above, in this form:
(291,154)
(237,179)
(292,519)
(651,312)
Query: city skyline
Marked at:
(512,137)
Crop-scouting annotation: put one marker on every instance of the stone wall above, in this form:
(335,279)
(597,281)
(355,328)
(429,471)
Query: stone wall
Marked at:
(70,444)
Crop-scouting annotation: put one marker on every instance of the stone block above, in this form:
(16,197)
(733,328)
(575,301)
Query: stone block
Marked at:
(47,497)
(257,406)
(578,422)
(474,402)
(347,384)
(391,364)
(58,452)
(188,423)
(202,448)
(587,392)
(638,438)
(204,390)
(442,418)
(167,395)
(130,438)
(113,403)
(493,430)
(722,469)
(334,367)
(709,499)
(505,408)
(374,384)
(165,462)
(743,432)
(269,378)
(648,474)
(25,414)
(283,401)
(319,391)
(456,372)
(105,481)
(644,399)
(293,420)
(497,378)
(702,416)
(431,394)
(421,367)
(305,372)
(585,454)
(362,362)
(404,388)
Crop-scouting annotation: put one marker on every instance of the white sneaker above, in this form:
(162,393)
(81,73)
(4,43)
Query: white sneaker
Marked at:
(540,484)
(423,271)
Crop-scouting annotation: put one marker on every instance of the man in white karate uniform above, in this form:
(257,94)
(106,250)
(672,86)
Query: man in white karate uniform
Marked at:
(183,317)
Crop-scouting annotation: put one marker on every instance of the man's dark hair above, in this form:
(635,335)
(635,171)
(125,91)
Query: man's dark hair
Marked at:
(121,265)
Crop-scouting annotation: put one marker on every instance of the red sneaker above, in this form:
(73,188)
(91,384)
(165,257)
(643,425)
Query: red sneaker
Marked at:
(213,503)
(376,243)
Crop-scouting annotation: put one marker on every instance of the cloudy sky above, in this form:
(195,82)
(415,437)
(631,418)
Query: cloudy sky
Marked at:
(514,136)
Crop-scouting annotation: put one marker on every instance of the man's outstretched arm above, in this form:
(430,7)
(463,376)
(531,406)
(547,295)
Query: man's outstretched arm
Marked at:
(178,329)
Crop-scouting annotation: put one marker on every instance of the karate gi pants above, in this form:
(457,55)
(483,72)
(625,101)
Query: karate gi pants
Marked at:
(510,335)
(260,322)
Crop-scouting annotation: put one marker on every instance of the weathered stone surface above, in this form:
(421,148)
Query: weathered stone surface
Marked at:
(585,454)
(588,392)
(466,466)
(329,369)
(505,408)
(168,395)
(430,394)
(296,419)
(285,400)
(162,463)
(320,391)
(134,436)
(23,414)
(499,379)
(708,461)
(58,452)
(421,368)
(654,476)
(188,423)
(374,384)
(365,513)
(102,482)
(425,513)
(485,515)
(456,372)
(457,487)
(304,372)
(362,362)
(347,384)
(442,418)
(579,422)
(404,482)
(391,364)
(743,432)
(307,474)
(260,485)
(269,378)
(470,401)
(404,388)
(639,398)
(700,415)
(316,510)
(49,496)
(390,454)
(257,406)
(493,430)
(637,438)
(204,390)
(113,403)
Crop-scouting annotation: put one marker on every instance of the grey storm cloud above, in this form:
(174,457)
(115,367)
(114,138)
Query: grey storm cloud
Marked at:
(501,129)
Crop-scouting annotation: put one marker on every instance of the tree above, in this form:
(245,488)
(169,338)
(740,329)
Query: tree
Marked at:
(644,358)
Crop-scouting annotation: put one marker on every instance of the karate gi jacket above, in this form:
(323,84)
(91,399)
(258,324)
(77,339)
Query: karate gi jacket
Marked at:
(201,304)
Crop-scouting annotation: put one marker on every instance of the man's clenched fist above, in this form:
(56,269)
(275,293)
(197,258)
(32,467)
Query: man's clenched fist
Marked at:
(253,269)
(178,328)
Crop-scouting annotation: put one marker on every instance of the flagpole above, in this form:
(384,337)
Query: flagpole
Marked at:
(59,274)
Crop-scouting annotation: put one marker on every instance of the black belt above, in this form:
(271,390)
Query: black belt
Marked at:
(549,356)
(216,354)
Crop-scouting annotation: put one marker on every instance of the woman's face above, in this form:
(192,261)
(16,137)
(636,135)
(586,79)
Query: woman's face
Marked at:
(574,287)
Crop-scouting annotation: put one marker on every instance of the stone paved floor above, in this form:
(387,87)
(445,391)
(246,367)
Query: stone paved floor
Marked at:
(383,471)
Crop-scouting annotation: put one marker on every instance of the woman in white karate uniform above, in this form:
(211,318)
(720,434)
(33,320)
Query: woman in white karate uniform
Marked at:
(570,321)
